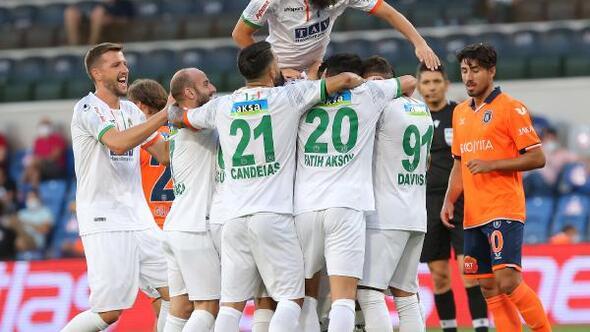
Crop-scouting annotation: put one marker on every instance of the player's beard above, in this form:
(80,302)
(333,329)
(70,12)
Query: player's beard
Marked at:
(202,98)
(113,87)
(322,4)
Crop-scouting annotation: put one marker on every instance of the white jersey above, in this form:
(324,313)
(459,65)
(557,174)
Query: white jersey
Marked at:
(335,149)
(298,31)
(192,165)
(258,133)
(217,211)
(404,136)
(109,195)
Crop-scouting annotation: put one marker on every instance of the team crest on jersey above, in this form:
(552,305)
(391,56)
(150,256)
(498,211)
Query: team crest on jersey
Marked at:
(249,108)
(497,224)
(470,265)
(487,117)
(414,109)
(340,99)
(449,136)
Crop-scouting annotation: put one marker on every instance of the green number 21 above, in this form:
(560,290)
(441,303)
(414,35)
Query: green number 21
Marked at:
(312,145)
(263,129)
(412,134)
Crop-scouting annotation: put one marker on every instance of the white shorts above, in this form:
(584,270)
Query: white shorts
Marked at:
(261,250)
(335,237)
(392,259)
(194,263)
(120,263)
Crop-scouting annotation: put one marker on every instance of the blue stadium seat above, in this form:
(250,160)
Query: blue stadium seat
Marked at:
(65,67)
(23,16)
(15,168)
(147,9)
(179,8)
(539,212)
(394,50)
(232,6)
(535,185)
(134,60)
(156,63)
(499,40)
(51,15)
(222,59)
(5,18)
(361,47)
(29,70)
(574,179)
(556,41)
(540,123)
(454,44)
(572,210)
(6,67)
(523,43)
(52,194)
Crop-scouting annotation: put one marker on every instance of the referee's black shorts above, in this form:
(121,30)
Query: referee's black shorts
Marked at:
(439,239)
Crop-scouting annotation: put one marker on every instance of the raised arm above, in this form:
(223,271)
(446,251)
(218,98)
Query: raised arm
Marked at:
(243,33)
(122,141)
(399,22)
(343,81)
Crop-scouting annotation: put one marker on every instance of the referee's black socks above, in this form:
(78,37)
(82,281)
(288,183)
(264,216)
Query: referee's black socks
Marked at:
(445,306)
(478,308)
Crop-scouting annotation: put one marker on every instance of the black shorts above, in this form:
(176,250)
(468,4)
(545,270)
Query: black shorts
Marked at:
(439,239)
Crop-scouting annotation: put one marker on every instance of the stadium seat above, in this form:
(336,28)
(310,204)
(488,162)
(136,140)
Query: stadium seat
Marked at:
(511,67)
(393,49)
(168,29)
(459,11)
(77,88)
(222,59)
(64,67)
(23,16)
(231,6)
(359,20)
(148,9)
(529,10)
(198,27)
(223,25)
(562,10)
(29,70)
(5,19)
(15,167)
(11,37)
(574,179)
(18,91)
(577,65)
(557,41)
(51,15)
(361,47)
(572,210)
(539,215)
(40,36)
(48,90)
(52,194)
(453,44)
(6,66)
(535,186)
(499,40)
(545,66)
(174,9)
(155,63)
(134,60)
(523,43)
(431,17)
(194,57)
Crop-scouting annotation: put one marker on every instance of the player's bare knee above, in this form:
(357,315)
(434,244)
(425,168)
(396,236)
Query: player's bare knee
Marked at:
(400,293)
(343,287)
(312,286)
(211,306)
(489,287)
(508,279)
(470,282)
(165,295)
(110,317)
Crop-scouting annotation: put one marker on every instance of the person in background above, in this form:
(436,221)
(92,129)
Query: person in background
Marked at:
(49,151)
(7,235)
(7,192)
(568,235)
(72,244)
(105,13)
(34,223)
(557,156)
(3,152)
(29,181)
(156,178)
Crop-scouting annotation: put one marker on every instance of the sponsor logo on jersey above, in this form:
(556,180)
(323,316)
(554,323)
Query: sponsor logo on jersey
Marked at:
(313,31)
(416,109)
(262,9)
(487,117)
(470,265)
(521,110)
(477,146)
(340,99)
(249,108)
(294,9)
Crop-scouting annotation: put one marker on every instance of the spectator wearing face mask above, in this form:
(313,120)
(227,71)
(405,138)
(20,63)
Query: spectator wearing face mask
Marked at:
(49,151)
(557,156)
(34,224)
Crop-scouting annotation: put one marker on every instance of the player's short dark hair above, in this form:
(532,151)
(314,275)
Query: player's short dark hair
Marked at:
(321,4)
(254,60)
(94,54)
(422,68)
(485,55)
(340,63)
(148,92)
(379,65)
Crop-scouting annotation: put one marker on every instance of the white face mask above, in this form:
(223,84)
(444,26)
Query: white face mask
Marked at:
(44,130)
(551,146)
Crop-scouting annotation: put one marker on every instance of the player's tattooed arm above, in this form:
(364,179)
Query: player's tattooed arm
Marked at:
(343,81)
(399,22)
(122,141)
(454,190)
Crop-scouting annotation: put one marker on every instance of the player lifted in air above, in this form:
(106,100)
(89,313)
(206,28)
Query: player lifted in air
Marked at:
(493,141)
(121,240)
(300,29)
(334,187)
(395,231)
(257,128)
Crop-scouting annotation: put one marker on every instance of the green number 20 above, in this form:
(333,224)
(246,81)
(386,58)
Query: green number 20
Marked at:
(412,134)
(263,129)
(312,145)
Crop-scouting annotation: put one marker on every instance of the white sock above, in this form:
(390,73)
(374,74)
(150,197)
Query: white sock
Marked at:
(285,317)
(309,320)
(86,321)
(173,324)
(342,316)
(410,315)
(162,316)
(228,320)
(200,321)
(261,320)
(372,303)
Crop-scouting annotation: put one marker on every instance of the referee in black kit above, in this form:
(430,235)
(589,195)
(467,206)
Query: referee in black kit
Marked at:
(433,85)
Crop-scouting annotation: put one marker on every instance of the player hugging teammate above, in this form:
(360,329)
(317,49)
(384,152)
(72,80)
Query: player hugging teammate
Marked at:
(274,183)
